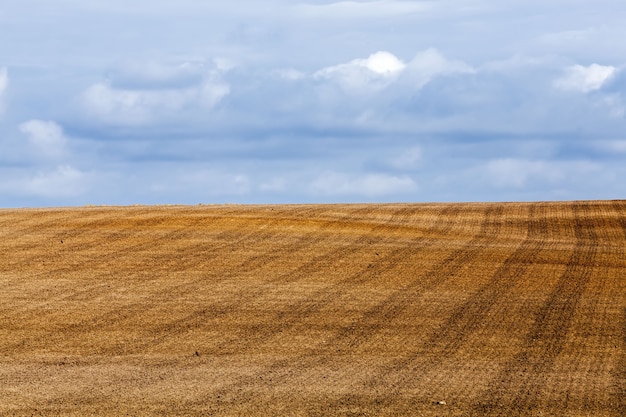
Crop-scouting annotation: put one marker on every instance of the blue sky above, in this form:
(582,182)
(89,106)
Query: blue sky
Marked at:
(157,102)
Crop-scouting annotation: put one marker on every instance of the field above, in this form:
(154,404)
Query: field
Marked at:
(508,309)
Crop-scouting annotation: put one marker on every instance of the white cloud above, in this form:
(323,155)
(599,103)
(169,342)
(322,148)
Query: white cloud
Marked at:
(4,83)
(585,79)
(4,80)
(368,185)
(375,71)
(383,63)
(46,136)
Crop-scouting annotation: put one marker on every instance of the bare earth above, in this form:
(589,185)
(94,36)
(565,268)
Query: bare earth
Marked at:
(319,310)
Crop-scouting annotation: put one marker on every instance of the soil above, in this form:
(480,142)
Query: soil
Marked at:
(491,309)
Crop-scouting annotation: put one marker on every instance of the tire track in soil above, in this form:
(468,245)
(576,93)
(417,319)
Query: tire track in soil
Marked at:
(468,317)
(280,369)
(376,317)
(465,320)
(240,299)
(518,388)
(619,376)
(247,265)
(113,318)
(286,319)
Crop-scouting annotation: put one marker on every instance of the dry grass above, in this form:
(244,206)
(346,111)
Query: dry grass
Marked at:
(321,310)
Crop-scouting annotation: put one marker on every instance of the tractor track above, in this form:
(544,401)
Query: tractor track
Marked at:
(241,299)
(519,387)
(280,370)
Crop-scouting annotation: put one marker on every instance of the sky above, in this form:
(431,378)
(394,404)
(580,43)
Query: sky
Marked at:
(111,102)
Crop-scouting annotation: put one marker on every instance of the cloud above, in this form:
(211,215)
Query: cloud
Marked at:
(361,9)
(375,71)
(4,80)
(63,182)
(366,184)
(4,84)
(585,79)
(520,173)
(430,63)
(157,75)
(409,160)
(290,74)
(611,146)
(143,94)
(45,136)
(383,69)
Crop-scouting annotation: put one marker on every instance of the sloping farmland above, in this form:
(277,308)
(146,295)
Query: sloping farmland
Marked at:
(507,309)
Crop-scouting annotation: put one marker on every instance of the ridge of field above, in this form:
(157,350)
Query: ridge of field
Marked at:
(447,309)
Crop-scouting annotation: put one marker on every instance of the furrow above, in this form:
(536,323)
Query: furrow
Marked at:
(619,375)
(281,370)
(519,389)
(247,264)
(242,299)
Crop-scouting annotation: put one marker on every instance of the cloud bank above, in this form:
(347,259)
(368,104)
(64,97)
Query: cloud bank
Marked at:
(311,102)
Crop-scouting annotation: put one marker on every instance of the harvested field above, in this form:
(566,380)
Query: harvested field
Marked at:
(515,309)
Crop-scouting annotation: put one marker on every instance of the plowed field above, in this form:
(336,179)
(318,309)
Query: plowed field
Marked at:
(515,309)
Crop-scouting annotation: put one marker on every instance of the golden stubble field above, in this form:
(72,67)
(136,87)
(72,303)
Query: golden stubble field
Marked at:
(515,309)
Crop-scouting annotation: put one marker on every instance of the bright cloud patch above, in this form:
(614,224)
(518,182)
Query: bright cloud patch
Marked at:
(382,63)
(46,136)
(383,68)
(4,83)
(377,70)
(4,80)
(585,79)
(368,185)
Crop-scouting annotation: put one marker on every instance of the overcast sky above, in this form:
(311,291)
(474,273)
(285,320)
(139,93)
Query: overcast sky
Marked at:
(195,101)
